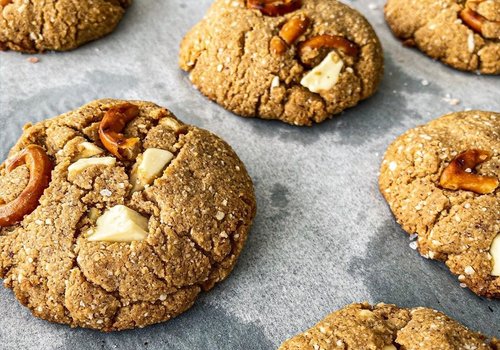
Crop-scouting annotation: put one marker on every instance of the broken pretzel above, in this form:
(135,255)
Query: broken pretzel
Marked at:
(459,174)
(40,167)
(114,121)
(275,8)
(289,33)
(471,18)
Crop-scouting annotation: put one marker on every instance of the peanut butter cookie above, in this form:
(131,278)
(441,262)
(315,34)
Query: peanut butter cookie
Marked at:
(117,215)
(387,327)
(464,34)
(60,25)
(298,61)
(441,181)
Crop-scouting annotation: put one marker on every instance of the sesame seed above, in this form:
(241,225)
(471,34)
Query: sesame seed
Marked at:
(106,193)
(471,45)
(220,215)
(469,270)
(276,82)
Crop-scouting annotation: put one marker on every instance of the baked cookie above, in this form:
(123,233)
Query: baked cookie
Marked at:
(60,25)
(299,61)
(464,34)
(387,327)
(441,181)
(117,215)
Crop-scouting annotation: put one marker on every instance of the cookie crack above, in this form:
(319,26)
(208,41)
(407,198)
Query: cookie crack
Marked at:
(443,54)
(159,257)
(114,293)
(240,71)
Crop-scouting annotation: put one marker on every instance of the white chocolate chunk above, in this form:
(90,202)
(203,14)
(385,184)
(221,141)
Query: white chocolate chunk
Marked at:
(87,150)
(120,224)
(153,162)
(324,76)
(389,347)
(495,253)
(82,164)
(365,313)
(149,166)
(171,123)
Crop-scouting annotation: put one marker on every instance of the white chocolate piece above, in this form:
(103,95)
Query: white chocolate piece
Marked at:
(495,253)
(82,164)
(171,123)
(120,224)
(88,150)
(366,313)
(324,76)
(149,166)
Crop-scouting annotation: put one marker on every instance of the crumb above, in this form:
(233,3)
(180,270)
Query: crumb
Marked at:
(451,101)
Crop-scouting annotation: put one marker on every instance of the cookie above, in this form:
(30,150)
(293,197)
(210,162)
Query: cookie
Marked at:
(298,61)
(117,215)
(441,181)
(388,327)
(60,25)
(464,34)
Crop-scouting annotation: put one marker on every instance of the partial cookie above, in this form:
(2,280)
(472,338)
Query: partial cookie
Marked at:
(464,34)
(117,215)
(299,61)
(387,327)
(60,25)
(441,181)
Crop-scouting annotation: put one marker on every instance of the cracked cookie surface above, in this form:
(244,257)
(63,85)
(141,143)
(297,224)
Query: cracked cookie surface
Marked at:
(231,58)
(388,327)
(199,212)
(454,226)
(60,25)
(438,29)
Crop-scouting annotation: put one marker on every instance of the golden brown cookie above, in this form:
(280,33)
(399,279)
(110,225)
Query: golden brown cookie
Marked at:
(441,181)
(60,25)
(299,61)
(464,34)
(117,215)
(387,327)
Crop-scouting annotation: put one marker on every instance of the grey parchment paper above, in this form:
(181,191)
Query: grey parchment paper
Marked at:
(323,236)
